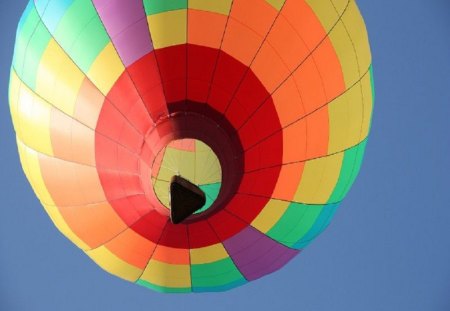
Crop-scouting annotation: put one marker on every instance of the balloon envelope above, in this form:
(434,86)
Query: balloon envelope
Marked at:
(265,105)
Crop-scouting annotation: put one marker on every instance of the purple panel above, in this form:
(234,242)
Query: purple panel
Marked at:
(126,24)
(256,255)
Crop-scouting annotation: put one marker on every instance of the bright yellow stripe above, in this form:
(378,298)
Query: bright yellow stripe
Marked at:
(340,5)
(33,118)
(113,264)
(366,86)
(167,275)
(217,6)
(356,28)
(270,215)
(168,28)
(106,69)
(346,119)
(208,254)
(58,79)
(30,164)
(14,96)
(325,12)
(319,179)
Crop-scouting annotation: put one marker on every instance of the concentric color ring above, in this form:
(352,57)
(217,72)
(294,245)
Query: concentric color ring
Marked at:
(281,91)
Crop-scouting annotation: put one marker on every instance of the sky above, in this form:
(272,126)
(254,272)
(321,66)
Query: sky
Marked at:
(387,248)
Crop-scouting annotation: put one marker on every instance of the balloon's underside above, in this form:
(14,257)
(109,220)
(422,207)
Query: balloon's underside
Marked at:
(281,91)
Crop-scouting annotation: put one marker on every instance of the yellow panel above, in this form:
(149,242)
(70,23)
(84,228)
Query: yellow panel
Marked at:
(270,215)
(113,264)
(167,275)
(31,167)
(217,6)
(207,168)
(30,163)
(106,69)
(34,121)
(325,12)
(366,86)
(208,254)
(62,226)
(346,54)
(168,28)
(162,191)
(277,4)
(185,166)
(356,29)
(59,79)
(345,119)
(341,5)
(319,179)
(14,93)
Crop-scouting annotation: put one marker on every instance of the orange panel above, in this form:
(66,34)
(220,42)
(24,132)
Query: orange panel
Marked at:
(241,42)
(318,133)
(288,103)
(288,181)
(170,255)
(304,21)
(310,85)
(255,14)
(294,142)
(66,187)
(330,69)
(206,28)
(88,104)
(95,224)
(132,248)
(60,134)
(287,43)
(71,140)
(269,68)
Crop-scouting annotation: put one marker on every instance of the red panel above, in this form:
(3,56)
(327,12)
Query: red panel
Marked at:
(127,161)
(175,236)
(260,125)
(268,152)
(261,182)
(246,207)
(251,94)
(124,94)
(201,234)
(151,226)
(226,225)
(106,152)
(201,64)
(172,66)
(228,74)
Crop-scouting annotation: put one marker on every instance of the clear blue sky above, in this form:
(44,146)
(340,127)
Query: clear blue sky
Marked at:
(388,248)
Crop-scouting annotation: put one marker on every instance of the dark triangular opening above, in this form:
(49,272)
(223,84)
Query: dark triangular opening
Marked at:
(185,199)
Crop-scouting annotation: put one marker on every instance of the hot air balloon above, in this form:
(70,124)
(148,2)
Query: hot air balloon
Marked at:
(191,145)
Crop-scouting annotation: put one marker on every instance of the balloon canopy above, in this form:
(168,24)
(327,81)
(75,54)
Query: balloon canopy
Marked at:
(251,115)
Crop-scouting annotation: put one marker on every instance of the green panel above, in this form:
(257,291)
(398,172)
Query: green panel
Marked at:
(295,223)
(349,170)
(36,48)
(24,34)
(205,275)
(81,34)
(211,191)
(163,289)
(319,226)
(159,6)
